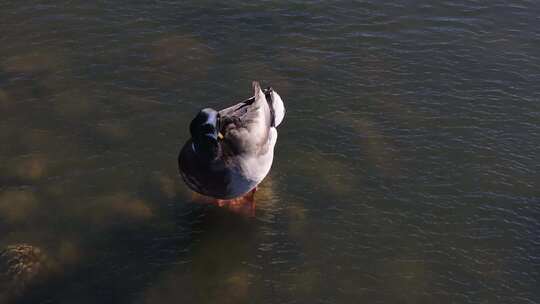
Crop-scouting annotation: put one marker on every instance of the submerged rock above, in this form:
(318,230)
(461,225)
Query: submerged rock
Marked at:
(21,265)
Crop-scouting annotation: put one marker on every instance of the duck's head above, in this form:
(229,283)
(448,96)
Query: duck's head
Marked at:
(204,130)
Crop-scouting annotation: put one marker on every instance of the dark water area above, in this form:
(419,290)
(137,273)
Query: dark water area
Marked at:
(406,170)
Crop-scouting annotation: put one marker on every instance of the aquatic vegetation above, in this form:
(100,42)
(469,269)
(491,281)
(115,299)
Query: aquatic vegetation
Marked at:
(29,168)
(329,174)
(5,101)
(378,149)
(297,219)
(109,209)
(17,206)
(74,103)
(170,186)
(36,61)
(181,56)
(113,129)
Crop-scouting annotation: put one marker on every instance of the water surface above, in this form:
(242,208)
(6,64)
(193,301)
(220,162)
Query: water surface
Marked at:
(406,170)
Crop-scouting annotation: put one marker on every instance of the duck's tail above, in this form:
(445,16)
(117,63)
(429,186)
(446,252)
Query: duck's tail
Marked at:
(275,103)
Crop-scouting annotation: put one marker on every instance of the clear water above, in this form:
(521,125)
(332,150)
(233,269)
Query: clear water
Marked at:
(406,171)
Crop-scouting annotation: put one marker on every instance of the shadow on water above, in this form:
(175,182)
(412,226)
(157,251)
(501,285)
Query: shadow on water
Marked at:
(217,271)
(185,251)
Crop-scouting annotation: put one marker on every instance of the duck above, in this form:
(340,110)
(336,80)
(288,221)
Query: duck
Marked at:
(231,151)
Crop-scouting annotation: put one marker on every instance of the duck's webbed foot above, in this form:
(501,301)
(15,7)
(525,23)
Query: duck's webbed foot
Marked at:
(244,204)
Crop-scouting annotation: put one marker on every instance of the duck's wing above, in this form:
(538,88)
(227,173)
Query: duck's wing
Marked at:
(246,126)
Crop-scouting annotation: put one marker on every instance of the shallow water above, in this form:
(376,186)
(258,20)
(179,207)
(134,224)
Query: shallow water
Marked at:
(406,170)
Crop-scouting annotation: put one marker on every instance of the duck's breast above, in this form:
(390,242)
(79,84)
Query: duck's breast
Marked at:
(206,179)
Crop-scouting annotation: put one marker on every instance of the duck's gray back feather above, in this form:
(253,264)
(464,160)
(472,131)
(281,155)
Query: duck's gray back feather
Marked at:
(249,138)
(246,126)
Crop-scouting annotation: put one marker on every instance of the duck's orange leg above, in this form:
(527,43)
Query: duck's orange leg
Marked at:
(244,204)
(251,201)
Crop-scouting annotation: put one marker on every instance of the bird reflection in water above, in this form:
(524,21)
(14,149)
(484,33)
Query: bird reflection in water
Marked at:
(244,205)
